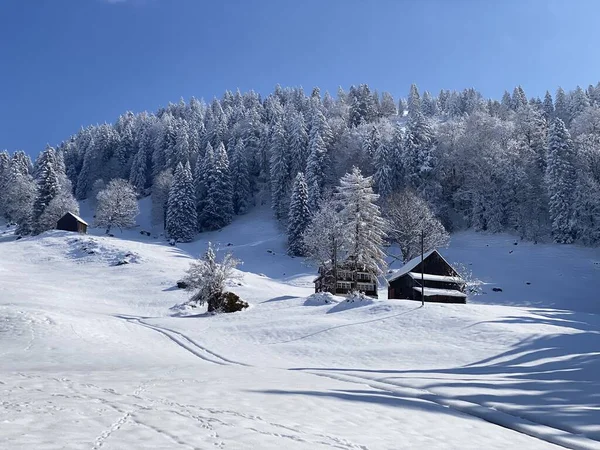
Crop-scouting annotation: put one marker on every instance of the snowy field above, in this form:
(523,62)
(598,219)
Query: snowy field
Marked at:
(92,356)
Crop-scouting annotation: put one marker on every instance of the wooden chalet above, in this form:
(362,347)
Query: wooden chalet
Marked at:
(72,222)
(440,282)
(346,279)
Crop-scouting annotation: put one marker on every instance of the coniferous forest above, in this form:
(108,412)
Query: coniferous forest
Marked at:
(528,166)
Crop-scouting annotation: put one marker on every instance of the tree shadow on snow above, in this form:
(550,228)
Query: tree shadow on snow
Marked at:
(553,378)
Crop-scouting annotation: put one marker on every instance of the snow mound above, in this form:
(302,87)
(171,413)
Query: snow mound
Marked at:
(320,299)
(95,249)
(353,301)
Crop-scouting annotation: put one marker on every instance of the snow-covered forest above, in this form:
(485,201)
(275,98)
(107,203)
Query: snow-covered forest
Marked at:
(527,166)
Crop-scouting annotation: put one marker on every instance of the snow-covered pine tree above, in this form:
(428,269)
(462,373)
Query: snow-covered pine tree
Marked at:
(204,165)
(384,170)
(418,146)
(548,107)
(48,185)
(298,142)
(279,165)
(140,170)
(371,142)
(388,105)
(561,106)
(218,208)
(160,197)
(240,178)
(414,101)
(362,221)
(561,179)
(298,217)
(429,105)
(117,206)
(21,193)
(182,221)
(519,99)
(315,171)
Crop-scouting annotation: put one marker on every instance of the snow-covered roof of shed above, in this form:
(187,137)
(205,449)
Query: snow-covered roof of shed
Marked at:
(431,292)
(77,217)
(409,266)
(432,277)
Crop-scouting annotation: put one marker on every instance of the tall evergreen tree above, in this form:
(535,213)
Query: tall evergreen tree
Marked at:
(561,178)
(384,170)
(48,184)
(182,221)
(279,165)
(315,171)
(362,219)
(298,217)
(218,208)
(548,107)
(240,178)
(414,101)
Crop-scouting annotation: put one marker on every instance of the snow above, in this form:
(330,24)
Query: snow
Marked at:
(431,277)
(428,292)
(94,358)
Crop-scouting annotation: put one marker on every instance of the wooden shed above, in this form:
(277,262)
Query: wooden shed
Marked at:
(437,282)
(72,222)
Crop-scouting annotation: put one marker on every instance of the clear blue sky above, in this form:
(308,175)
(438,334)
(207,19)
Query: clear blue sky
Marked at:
(68,63)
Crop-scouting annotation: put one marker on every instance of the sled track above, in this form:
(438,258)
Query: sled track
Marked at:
(185,342)
(495,416)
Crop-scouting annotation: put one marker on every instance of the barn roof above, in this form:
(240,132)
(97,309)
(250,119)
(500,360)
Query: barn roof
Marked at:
(431,277)
(410,265)
(79,219)
(431,292)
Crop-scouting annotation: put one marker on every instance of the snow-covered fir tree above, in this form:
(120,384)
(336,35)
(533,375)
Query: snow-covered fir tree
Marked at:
(48,184)
(363,223)
(240,179)
(561,178)
(279,171)
(218,206)
(298,217)
(182,221)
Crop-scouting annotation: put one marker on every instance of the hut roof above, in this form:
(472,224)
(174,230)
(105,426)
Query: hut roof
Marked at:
(431,292)
(79,219)
(431,277)
(410,265)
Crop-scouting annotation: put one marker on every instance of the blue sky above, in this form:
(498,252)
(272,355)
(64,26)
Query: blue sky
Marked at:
(68,63)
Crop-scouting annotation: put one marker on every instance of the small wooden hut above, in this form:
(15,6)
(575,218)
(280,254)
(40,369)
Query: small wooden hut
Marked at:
(433,280)
(72,222)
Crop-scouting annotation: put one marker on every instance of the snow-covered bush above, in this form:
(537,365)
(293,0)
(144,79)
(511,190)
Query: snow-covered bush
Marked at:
(473,284)
(320,299)
(206,278)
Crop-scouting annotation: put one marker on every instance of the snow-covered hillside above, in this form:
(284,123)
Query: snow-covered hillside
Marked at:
(92,356)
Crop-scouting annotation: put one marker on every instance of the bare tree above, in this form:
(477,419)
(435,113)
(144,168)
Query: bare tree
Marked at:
(408,217)
(117,205)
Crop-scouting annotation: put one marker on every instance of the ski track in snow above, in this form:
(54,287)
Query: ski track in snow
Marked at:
(184,342)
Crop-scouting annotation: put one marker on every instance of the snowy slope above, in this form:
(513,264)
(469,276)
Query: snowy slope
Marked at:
(93,356)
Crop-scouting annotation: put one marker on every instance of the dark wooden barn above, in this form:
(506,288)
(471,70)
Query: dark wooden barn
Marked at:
(72,222)
(440,282)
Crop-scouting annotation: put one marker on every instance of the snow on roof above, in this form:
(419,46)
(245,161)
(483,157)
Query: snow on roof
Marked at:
(431,277)
(410,265)
(430,292)
(78,218)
